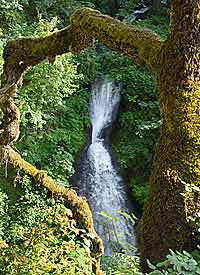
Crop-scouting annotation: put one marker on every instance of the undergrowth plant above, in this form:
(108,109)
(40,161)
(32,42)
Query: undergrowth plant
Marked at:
(53,245)
(120,264)
(176,263)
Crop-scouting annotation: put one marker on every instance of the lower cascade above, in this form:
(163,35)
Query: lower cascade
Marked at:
(98,178)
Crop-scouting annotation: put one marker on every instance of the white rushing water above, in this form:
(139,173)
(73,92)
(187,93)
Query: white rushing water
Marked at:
(100,182)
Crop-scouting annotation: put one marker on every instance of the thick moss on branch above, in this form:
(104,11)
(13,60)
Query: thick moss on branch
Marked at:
(140,44)
(86,25)
(24,52)
(78,205)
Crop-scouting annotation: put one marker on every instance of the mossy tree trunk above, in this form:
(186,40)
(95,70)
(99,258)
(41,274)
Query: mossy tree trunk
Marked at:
(177,161)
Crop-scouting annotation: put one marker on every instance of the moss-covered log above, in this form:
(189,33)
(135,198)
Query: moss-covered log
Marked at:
(165,223)
(78,205)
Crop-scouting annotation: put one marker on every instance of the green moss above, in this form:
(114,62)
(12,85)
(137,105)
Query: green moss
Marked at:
(135,42)
(178,152)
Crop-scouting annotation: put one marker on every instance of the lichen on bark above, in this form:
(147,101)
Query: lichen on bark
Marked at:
(165,222)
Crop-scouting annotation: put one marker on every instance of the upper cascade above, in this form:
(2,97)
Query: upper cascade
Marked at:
(104,104)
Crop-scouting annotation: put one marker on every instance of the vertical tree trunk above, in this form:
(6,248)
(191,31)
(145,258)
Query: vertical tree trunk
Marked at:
(177,161)
(156,6)
(114,6)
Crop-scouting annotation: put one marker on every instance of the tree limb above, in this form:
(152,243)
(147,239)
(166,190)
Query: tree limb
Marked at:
(140,44)
(78,205)
(86,25)
(22,53)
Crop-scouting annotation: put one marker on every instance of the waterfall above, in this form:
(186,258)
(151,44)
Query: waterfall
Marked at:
(99,181)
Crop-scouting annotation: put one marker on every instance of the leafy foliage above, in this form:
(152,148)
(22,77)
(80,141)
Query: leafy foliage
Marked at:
(47,241)
(51,125)
(177,263)
(121,264)
(157,23)
(140,191)
(26,210)
(47,9)
(11,17)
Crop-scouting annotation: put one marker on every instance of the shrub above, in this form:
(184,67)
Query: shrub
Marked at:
(177,263)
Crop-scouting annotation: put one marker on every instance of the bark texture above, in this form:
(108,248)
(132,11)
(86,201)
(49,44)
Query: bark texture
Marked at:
(165,222)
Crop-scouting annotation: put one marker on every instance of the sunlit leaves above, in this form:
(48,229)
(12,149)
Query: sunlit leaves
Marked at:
(176,263)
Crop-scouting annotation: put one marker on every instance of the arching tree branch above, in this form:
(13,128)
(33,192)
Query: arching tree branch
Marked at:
(87,25)
(142,45)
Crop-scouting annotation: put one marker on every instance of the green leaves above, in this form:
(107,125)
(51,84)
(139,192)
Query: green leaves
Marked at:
(120,264)
(53,113)
(49,247)
(159,24)
(177,263)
